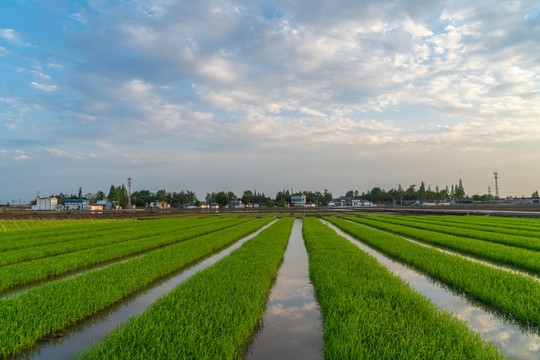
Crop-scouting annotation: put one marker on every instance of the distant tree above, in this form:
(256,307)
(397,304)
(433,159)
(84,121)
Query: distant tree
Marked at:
(112,194)
(161,195)
(231,196)
(459,190)
(327,196)
(410,193)
(421,194)
(349,193)
(221,198)
(247,197)
(282,202)
(80,193)
(269,202)
(100,195)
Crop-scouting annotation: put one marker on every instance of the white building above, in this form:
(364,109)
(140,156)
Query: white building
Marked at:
(45,203)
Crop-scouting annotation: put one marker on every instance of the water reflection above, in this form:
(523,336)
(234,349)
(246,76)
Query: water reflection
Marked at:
(516,340)
(291,326)
(91,330)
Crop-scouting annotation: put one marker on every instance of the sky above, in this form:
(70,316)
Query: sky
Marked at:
(268,95)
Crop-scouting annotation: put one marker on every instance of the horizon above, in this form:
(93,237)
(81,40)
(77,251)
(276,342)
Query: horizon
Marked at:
(268,95)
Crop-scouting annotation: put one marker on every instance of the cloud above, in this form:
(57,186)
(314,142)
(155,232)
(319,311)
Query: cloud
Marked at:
(9,35)
(19,155)
(64,153)
(13,37)
(43,87)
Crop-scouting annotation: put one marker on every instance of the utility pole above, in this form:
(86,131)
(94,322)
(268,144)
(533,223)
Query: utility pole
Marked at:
(489,190)
(496,174)
(129,192)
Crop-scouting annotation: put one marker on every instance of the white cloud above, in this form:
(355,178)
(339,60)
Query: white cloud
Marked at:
(64,153)
(19,155)
(43,87)
(9,35)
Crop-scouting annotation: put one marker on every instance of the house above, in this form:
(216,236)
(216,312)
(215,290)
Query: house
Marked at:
(204,205)
(214,206)
(236,204)
(159,205)
(77,204)
(298,200)
(461,201)
(45,203)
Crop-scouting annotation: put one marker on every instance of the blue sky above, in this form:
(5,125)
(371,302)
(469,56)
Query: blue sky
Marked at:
(268,95)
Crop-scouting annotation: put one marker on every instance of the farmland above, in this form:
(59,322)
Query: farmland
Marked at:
(59,276)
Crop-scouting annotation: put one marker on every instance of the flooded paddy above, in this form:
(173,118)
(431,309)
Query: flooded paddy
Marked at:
(291,327)
(514,339)
(76,338)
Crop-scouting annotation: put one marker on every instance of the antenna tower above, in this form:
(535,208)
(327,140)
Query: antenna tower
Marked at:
(129,192)
(496,174)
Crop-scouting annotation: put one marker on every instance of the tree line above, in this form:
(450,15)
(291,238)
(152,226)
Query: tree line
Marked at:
(143,198)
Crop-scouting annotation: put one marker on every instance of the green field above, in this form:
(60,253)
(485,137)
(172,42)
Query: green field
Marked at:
(61,273)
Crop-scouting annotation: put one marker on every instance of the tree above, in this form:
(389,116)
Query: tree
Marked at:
(221,198)
(100,195)
(248,196)
(349,193)
(422,191)
(112,194)
(535,195)
(269,203)
(231,196)
(282,202)
(80,193)
(459,190)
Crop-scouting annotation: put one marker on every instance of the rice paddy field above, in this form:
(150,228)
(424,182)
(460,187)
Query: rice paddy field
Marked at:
(233,286)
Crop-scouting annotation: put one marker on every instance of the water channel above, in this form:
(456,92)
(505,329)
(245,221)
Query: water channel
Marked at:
(512,338)
(76,338)
(291,327)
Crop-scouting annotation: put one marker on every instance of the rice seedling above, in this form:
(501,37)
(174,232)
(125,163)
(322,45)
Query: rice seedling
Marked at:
(22,273)
(55,305)
(516,257)
(369,313)
(210,316)
(515,295)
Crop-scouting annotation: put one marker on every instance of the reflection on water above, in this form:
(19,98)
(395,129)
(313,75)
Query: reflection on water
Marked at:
(515,340)
(291,327)
(89,331)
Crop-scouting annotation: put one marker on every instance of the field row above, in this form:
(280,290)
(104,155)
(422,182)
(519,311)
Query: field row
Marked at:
(367,311)
(55,305)
(515,295)
(515,257)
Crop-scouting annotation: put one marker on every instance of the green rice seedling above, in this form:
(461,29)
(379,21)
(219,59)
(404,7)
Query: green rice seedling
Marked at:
(22,273)
(55,305)
(210,316)
(369,313)
(516,239)
(515,295)
(93,240)
(477,223)
(516,257)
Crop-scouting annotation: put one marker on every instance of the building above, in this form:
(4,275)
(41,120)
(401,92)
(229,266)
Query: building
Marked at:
(45,203)
(298,200)
(236,204)
(214,206)
(159,205)
(77,204)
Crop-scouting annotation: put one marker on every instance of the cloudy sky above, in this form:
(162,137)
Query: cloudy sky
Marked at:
(268,95)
